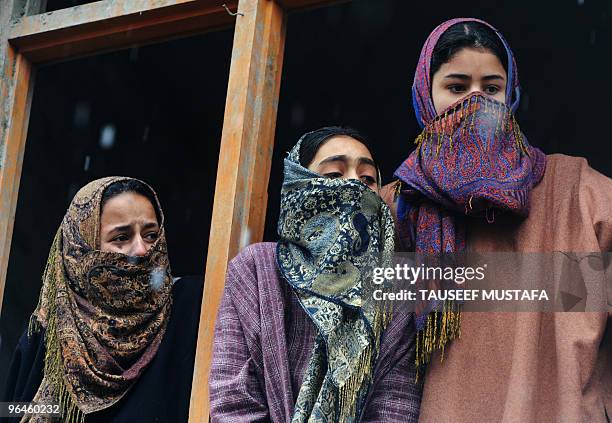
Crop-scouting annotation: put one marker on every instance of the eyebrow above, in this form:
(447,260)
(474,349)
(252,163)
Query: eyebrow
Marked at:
(492,77)
(367,161)
(457,76)
(124,228)
(467,77)
(150,225)
(337,158)
(344,158)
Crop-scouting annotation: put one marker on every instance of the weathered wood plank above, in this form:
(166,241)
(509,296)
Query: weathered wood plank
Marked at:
(244,165)
(296,5)
(15,100)
(114,24)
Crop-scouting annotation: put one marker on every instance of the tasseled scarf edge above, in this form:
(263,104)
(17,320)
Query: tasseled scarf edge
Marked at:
(351,392)
(53,373)
(441,328)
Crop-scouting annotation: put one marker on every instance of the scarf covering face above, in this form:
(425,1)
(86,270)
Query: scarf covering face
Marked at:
(105,313)
(470,160)
(333,233)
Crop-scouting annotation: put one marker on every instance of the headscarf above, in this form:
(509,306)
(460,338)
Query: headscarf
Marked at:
(104,313)
(471,159)
(333,233)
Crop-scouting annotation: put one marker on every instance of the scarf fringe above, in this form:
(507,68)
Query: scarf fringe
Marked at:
(443,126)
(351,392)
(35,325)
(52,277)
(441,328)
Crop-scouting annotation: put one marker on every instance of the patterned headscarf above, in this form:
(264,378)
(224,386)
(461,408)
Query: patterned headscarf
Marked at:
(471,159)
(333,233)
(421,88)
(104,313)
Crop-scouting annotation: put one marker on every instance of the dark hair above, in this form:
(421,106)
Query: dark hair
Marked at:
(312,141)
(130,185)
(465,35)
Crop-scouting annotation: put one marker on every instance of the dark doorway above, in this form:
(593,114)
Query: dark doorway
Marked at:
(153,113)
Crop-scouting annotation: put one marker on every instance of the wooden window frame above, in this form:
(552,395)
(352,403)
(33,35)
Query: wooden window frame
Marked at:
(249,124)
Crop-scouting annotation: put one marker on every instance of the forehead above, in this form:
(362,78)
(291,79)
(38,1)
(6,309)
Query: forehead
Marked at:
(127,207)
(342,145)
(473,62)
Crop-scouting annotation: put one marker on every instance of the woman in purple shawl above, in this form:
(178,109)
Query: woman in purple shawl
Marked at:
(474,183)
(297,338)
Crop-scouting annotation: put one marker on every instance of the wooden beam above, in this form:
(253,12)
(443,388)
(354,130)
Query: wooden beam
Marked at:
(102,26)
(16,83)
(19,100)
(244,165)
(298,5)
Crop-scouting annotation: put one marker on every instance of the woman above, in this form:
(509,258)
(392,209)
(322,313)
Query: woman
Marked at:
(474,183)
(297,339)
(113,338)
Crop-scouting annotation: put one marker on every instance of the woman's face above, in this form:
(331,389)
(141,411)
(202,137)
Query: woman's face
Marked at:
(128,225)
(345,157)
(469,70)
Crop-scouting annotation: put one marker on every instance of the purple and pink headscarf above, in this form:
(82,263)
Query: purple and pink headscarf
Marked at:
(471,160)
(421,88)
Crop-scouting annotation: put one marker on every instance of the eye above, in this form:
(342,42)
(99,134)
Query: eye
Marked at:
(491,90)
(368,180)
(152,236)
(120,238)
(456,89)
(333,175)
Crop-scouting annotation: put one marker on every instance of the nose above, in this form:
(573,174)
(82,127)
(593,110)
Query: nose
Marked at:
(351,174)
(139,247)
(475,89)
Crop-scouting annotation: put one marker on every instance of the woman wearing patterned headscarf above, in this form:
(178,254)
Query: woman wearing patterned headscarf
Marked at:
(113,338)
(475,183)
(297,337)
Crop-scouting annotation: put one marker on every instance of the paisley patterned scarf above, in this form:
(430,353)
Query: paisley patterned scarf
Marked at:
(471,160)
(333,233)
(104,313)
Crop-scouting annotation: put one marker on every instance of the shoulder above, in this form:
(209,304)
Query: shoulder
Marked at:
(261,254)
(187,299)
(254,265)
(573,168)
(574,174)
(188,286)
(562,174)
